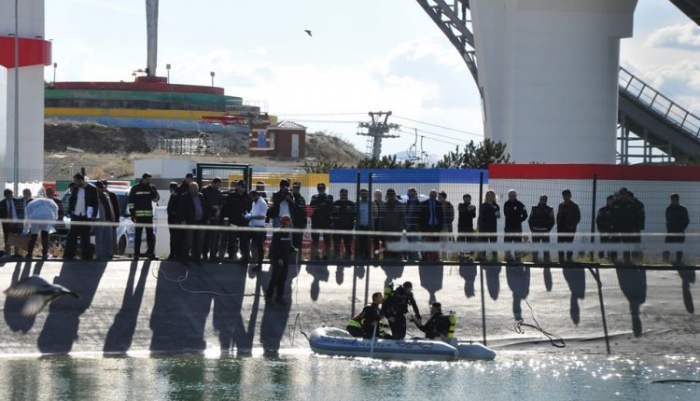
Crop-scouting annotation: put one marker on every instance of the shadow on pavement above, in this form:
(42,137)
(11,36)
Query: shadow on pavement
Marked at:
(468,272)
(688,278)
(576,279)
(493,280)
(633,283)
(431,279)
(518,278)
(121,333)
(61,327)
(319,273)
(179,313)
(227,314)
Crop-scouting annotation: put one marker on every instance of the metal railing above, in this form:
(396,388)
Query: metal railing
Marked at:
(640,92)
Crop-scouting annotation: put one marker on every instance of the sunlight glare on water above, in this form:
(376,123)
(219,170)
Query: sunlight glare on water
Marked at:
(304,376)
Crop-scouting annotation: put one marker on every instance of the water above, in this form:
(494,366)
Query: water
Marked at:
(303,376)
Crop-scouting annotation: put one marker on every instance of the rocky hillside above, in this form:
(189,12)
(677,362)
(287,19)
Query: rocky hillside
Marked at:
(112,150)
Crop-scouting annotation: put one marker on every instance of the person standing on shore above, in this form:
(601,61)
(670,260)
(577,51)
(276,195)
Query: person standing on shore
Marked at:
(489,213)
(256,218)
(568,217)
(37,216)
(541,222)
(12,214)
(141,199)
(83,209)
(215,201)
(677,221)
(321,206)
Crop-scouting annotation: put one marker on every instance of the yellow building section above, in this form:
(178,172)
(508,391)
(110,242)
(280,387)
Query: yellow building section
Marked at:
(272,180)
(133,113)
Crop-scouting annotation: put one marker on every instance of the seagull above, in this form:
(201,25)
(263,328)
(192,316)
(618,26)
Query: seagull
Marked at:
(38,292)
(308,32)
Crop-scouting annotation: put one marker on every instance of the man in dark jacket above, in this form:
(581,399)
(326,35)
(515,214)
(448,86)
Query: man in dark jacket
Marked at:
(185,184)
(141,199)
(215,200)
(393,221)
(395,309)
(321,206)
(641,223)
(568,217)
(12,214)
(109,216)
(366,323)
(438,326)
(541,222)
(176,234)
(343,218)
(83,208)
(282,203)
(299,219)
(280,253)
(677,221)
(238,204)
(515,213)
(194,211)
(604,222)
(625,221)
(431,221)
(364,224)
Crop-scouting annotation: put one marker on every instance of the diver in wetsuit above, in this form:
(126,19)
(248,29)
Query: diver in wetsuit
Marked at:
(395,308)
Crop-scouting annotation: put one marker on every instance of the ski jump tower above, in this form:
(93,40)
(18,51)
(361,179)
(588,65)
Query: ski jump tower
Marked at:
(547,71)
(34,53)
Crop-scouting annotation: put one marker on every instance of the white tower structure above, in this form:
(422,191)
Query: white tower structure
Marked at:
(34,53)
(548,71)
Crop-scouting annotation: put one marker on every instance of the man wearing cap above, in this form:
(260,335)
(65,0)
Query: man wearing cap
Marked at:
(343,218)
(238,204)
(173,221)
(395,308)
(82,208)
(141,198)
(438,326)
(299,218)
(280,253)
(215,201)
(321,206)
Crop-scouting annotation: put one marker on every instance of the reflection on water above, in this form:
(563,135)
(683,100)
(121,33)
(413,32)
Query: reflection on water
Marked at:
(300,376)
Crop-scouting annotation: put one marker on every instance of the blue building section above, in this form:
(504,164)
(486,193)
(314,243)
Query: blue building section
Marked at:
(154,123)
(408,176)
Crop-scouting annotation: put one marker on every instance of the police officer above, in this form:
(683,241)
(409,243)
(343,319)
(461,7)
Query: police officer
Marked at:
(365,323)
(322,206)
(396,307)
(141,198)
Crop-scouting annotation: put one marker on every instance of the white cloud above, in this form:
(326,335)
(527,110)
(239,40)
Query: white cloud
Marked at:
(681,35)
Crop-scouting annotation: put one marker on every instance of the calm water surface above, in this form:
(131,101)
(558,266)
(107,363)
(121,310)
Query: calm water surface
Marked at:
(303,376)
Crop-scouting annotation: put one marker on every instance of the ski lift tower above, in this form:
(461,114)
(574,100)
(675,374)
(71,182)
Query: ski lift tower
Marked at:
(378,129)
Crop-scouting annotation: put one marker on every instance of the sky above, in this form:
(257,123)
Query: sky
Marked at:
(364,55)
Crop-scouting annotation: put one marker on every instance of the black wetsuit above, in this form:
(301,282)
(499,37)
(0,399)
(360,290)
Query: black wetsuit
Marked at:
(437,325)
(395,308)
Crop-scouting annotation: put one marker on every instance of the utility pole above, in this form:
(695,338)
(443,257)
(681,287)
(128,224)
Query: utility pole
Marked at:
(378,129)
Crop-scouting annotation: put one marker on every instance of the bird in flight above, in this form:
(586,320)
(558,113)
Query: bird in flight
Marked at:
(308,32)
(38,292)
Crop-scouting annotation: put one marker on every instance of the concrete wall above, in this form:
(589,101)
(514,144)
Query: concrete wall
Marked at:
(549,70)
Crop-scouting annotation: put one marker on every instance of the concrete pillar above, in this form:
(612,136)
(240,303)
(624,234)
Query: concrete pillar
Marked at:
(549,74)
(33,57)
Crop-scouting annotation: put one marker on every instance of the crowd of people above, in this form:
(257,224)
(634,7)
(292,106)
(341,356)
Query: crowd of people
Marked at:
(338,225)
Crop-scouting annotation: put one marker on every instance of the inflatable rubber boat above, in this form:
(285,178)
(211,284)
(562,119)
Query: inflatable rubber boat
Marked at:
(338,342)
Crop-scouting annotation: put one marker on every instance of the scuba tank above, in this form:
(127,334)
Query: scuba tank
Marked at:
(452,318)
(388,290)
